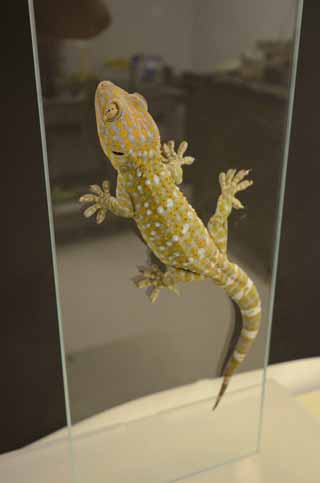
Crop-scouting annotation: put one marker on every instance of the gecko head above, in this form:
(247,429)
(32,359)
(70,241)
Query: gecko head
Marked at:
(124,124)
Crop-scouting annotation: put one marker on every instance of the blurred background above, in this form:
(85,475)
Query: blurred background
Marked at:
(214,74)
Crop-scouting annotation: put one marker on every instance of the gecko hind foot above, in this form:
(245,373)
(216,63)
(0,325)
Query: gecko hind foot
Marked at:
(153,279)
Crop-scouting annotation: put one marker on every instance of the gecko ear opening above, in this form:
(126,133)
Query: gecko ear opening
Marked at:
(139,101)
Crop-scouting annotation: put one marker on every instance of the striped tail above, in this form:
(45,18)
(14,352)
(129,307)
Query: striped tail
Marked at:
(243,291)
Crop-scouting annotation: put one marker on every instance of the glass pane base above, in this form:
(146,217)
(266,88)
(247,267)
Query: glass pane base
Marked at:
(159,443)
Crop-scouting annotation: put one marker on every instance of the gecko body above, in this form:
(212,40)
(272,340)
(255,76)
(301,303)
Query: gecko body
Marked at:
(147,191)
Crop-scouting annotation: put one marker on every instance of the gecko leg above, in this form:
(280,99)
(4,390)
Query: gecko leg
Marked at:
(231,183)
(153,278)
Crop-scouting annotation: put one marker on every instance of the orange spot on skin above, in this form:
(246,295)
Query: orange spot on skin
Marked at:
(135,132)
(123,134)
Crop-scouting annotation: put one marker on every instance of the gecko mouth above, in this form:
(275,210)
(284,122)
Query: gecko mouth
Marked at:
(118,153)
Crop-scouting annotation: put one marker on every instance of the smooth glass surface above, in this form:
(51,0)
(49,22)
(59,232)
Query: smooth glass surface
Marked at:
(140,379)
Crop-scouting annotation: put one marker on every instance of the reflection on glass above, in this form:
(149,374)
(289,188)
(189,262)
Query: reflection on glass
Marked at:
(217,76)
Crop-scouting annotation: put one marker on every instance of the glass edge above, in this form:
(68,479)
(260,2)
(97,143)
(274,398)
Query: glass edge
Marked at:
(51,225)
(286,149)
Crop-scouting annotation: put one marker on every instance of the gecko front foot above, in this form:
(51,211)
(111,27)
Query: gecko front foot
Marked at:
(152,278)
(175,160)
(231,183)
(100,198)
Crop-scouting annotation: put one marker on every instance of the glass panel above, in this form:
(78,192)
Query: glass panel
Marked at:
(142,377)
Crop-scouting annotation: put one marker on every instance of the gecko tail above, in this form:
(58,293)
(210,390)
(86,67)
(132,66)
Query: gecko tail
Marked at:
(223,389)
(245,294)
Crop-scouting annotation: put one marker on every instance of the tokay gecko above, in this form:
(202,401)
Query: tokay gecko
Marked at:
(147,191)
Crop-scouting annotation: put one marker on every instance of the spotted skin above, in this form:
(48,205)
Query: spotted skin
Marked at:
(147,191)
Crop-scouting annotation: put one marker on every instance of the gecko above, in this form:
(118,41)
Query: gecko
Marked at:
(148,179)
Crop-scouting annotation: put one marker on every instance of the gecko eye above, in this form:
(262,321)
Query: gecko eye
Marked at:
(112,111)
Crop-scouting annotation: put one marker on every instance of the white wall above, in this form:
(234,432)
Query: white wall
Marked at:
(223,29)
(144,26)
(189,34)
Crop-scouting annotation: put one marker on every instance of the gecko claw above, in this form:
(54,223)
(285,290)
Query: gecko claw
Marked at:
(174,289)
(153,293)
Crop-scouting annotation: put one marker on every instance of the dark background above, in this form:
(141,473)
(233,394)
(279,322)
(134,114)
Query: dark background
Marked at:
(32,397)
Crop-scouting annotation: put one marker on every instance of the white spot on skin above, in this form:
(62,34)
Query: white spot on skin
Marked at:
(157,224)
(160,209)
(169,243)
(148,181)
(175,238)
(156,179)
(189,214)
(161,248)
(238,356)
(139,173)
(153,233)
(185,228)
(146,204)
(139,188)
(250,334)
(149,212)
(191,260)
(169,203)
